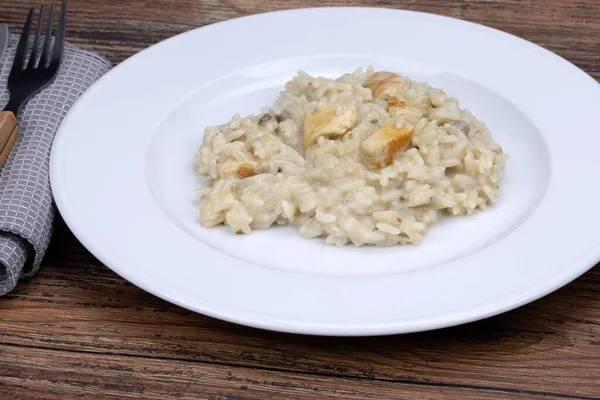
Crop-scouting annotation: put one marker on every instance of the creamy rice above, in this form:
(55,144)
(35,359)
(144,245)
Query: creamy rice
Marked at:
(368,158)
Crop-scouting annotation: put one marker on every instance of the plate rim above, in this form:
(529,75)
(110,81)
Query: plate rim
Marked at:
(320,329)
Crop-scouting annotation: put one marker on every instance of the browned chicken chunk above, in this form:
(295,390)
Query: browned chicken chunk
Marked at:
(329,120)
(238,169)
(381,147)
(384,84)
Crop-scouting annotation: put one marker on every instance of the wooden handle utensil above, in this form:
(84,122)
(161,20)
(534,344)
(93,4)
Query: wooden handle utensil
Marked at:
(9,130)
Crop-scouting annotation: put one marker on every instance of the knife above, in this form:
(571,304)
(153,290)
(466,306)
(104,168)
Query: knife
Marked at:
(3,39)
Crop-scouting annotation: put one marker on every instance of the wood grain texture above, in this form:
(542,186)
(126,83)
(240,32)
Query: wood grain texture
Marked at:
(9,131)
(77,329)
(52,375)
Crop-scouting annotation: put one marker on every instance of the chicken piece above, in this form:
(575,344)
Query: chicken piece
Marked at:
(397,107)
(329,120)
(384,84)
(246,169)
(396,102)
(401,111)
(238,169)
(380,148)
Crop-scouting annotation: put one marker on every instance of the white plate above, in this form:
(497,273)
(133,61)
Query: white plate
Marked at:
(122,175)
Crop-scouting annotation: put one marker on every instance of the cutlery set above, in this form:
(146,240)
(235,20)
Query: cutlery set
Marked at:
(31,70)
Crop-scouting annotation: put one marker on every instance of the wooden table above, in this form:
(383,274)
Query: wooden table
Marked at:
(78,329)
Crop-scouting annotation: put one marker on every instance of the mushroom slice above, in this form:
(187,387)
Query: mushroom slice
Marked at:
(461,125)
(265,119)
(329,120)
(384,84)
(379,149)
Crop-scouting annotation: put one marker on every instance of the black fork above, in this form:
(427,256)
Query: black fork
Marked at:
(28,79)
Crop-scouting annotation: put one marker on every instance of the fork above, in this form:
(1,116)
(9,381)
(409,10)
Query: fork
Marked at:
(28,79)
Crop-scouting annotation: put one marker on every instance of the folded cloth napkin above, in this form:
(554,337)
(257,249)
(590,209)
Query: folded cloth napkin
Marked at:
(26,207)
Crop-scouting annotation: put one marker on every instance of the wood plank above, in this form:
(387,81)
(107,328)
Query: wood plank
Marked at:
(552,345)
(118,29)
(42,374)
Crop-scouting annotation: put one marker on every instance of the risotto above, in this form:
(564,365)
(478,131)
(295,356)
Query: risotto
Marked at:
(368,158)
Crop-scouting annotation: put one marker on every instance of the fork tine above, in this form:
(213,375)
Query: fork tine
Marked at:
(45,58)
(59,40)
(23,42)
(36,41)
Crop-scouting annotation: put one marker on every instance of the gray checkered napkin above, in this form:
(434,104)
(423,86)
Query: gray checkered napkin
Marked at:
(26,207)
